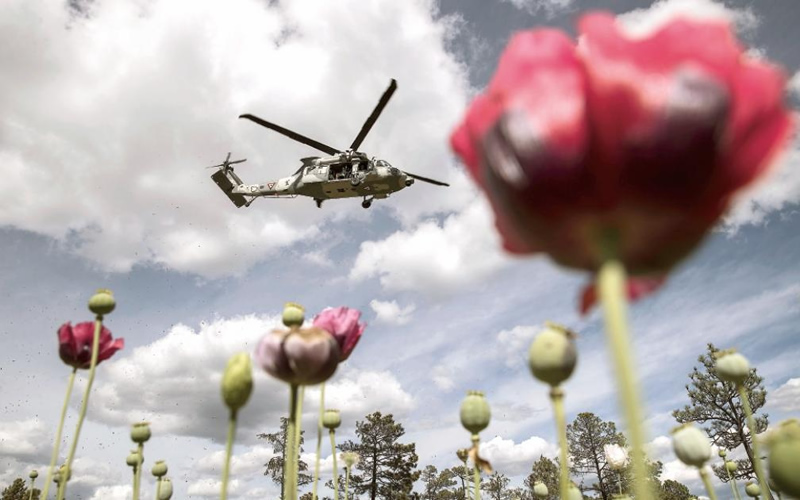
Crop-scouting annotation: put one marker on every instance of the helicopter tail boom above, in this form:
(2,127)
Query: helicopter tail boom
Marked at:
(226,184)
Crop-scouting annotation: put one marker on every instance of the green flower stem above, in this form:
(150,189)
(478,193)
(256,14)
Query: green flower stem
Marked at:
(158,488)
(346,481)
(300,396)
(290,465)
(319,440)
(612,293)
(98,324)
(335,469)
(61,487)
(557,397)
(707,483)
(751,424)
(30,495)
(54,456)
(137,473)
(226,470)
(732,480)
(476,475)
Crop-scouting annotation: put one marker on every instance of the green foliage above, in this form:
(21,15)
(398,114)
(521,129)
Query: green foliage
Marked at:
(388,468)
(715,404)
(496,486)
(545,471)
(673,490)
(439,485)
(586,436)
(274,468)
(18,490)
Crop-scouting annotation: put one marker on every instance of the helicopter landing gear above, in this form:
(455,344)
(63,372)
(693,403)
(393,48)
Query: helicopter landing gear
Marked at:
(319,202)
(367,202)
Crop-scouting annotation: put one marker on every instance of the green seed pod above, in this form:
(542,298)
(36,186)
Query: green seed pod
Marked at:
(552,355)
(752,489)
(784,457)
(722,453)
(62,473)
(34,474)
(159,469)
(166,489)
(573,492)
(691,445)
(237,381)
(293,314)
(732,367)
(102,302)
(731,466)
(140,432)
(134,459)
(475,412)
(350,458)
(540,490)
(331,419)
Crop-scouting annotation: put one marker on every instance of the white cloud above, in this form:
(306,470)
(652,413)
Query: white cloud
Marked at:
(642,22)
(117,492)
(211,487)
(435,258)
(786,397)
(549,7)
(357,393)
(391,313)
(512,459)
(244,463)
(24,438)
(513,344)
(109,118)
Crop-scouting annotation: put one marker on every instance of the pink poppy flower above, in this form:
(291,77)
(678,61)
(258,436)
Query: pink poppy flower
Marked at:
(618,146)
(342,323)
(75,344)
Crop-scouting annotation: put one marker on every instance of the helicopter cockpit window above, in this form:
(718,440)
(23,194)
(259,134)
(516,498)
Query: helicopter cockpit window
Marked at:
(382,163)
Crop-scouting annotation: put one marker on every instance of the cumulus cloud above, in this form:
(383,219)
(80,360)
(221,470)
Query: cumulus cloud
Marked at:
(514,343)
(211,487)
(391,313)
(512,458)
(109,118)
(642,22)
(24,439)
(547,7)
(117,492)
(786,397)
(435,258)
(357,393)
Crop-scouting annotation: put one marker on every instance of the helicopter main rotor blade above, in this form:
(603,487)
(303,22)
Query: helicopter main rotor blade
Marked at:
(374,116)
(292,135)
(426,179)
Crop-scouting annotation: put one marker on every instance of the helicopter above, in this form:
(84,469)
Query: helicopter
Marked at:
(342,174)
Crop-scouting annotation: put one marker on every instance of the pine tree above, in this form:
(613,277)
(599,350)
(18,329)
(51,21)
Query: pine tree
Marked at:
(274,468)
(495,486)
(388,468)
(673,490)
(587,435)
(439,485)
(545,471)
(715,404)
(19,491)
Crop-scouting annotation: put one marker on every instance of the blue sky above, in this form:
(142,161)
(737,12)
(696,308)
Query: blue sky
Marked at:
(110,114)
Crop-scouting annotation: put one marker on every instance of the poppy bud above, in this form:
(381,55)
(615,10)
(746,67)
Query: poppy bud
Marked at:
(102,302)
(540,489)
(752,489)
(616,456)
(62,473)
(237,381)
(350,458)
(303,356)
(475,412)
(784,455)
(731,466)
(722,453)
(140,432)
(159,469)
(293,314)
(732,367)
(166,489)
(552,355)
(134,459)
(331,419)
(691,445)
(34,474)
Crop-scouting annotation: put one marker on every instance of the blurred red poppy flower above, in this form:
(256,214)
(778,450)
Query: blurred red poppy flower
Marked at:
(342,323)
(621,147)
(75,344)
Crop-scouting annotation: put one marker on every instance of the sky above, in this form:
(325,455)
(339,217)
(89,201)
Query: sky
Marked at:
(111,111)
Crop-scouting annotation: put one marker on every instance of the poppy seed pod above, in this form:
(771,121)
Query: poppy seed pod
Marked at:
(722,453)
(134,459)
(691,445)
(732,367)
(731,466)
(331,419)
(140,432)
(303,356)
(159,468)
(34,474)
(540,489)
(62,472)
(475,412)
(293,314)
(102,302)
(237,381)
(784,457)
(552,355)
(752,489)
(166,489)
(573,492)
(350,458)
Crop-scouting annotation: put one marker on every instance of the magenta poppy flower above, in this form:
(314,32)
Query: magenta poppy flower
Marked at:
(342,323)
(621,147)
(302,356)
(75,344)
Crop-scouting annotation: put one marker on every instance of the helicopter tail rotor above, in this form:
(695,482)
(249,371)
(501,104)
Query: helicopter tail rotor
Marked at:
(226,179)
(226,163)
